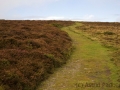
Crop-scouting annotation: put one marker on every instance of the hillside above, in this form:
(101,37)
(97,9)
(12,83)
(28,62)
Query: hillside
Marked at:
(30,51)
(95,62)
(108,33)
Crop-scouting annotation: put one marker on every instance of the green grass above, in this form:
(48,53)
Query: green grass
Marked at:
(95,56)
(89,63)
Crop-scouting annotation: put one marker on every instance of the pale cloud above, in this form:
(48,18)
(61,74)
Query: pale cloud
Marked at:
(89,17)
(46,18)
(117,17)
(53,18)
(102,2)
(9,4)
(84,18)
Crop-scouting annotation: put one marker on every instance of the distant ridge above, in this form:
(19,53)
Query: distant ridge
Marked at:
(2,19)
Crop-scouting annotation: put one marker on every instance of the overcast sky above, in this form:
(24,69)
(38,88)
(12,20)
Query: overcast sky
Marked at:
(84,10)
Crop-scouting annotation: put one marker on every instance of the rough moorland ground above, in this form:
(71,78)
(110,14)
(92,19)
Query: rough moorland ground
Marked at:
(29,52)
(91,66)
(108,34)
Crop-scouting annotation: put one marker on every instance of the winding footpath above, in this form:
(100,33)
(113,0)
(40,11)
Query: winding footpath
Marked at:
(89,67)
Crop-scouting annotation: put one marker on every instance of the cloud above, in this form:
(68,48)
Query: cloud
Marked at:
(46,18)
(117,15)
(53,18)
(103,2)
(89,17)
(86,18)
(97,1)
(118,18)
(9,4)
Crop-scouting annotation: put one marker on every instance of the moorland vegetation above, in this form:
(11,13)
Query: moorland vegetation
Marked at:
(30,51)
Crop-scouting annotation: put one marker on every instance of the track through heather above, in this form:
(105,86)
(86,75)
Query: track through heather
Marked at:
(89,67)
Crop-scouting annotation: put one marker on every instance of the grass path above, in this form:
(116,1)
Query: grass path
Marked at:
(89,65)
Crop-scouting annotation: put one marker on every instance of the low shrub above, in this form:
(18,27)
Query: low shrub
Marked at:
(108,33)
(30,51)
